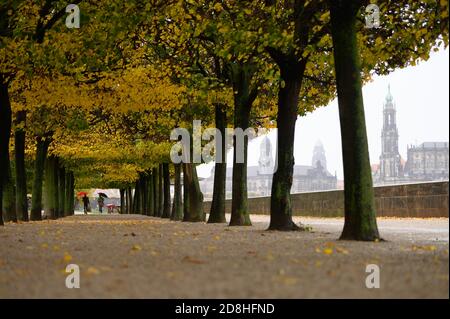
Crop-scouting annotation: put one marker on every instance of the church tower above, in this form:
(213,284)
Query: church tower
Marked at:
(266,163)
(319,158)
(390,164)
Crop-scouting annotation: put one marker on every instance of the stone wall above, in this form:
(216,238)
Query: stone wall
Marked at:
(408,200)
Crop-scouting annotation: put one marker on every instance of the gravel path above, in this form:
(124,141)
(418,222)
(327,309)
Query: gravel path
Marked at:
(132,256)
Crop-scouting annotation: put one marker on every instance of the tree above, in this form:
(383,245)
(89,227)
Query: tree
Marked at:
(177,208)
(360,219)
(193,199)
(360,215)
(36,200)
(21,178)
(5,128)
(217,212)
(166,178)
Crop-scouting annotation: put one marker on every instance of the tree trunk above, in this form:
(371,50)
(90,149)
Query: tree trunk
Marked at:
(147,194)
(51,184)
(9,201)
(122,201)
(155,191)
(69,194)
(194,209)
(126,202)
(160,191)
(142,195)
(242,106)
(166,176)
(177,208)
(360,219)
(21,178)
(136,199)
(185,192)
(129,200)
(62,191)
(151,195)
(1,201)
(57,192)
(72,193)
(39,165)
(5,131)
(217,212)
(288,98)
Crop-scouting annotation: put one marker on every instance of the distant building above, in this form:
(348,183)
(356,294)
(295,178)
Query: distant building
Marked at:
(426,162)
(390,162)
(259,178)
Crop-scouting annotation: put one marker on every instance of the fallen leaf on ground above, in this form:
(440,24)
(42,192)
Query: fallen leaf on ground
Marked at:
(67,257)
(193,260)
(212,248)
(286,280)
(342,250)
(92,271)
(425,247)
(136,248)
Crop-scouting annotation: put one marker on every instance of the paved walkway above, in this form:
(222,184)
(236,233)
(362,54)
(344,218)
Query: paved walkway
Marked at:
(135,256)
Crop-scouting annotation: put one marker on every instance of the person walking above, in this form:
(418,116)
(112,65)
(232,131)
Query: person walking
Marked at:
(85,204)
(101,203)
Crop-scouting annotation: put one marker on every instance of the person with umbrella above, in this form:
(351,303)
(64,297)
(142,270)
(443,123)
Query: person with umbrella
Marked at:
(85,202)
(101,201)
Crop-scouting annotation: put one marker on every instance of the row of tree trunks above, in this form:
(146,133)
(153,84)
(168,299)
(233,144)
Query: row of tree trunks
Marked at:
(58,200)
(152,193)
(152,196)
(145,192)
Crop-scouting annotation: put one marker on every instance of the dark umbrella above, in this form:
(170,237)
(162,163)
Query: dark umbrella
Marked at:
(102,195)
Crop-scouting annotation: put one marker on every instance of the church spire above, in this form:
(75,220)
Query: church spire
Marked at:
(389,98)
(390,165)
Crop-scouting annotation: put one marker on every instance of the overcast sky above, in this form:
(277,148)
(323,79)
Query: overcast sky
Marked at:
(421,95)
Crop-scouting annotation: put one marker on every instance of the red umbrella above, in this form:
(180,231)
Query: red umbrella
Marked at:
(81,193)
